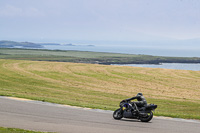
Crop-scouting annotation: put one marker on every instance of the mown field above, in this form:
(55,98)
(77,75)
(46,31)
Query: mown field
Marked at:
(176,92)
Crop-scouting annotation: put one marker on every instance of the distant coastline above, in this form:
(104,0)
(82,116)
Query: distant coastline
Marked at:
(13,44)
(114,57)
(89,57)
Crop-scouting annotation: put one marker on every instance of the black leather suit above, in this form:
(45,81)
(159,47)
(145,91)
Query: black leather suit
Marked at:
(141,100)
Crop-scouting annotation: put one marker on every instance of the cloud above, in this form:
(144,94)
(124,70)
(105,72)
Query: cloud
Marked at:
(13,11)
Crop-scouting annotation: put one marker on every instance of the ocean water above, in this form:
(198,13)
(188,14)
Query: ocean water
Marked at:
(178,66)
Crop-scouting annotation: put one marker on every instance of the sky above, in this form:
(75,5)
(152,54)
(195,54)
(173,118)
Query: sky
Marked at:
(100,20)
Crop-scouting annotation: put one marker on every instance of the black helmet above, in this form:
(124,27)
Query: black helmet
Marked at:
(139,94)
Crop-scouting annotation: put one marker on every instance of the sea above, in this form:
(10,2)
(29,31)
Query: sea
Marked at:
(155,51)
(178,66)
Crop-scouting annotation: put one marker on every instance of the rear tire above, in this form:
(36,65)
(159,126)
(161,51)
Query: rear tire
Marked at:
(117,115)
(147,118)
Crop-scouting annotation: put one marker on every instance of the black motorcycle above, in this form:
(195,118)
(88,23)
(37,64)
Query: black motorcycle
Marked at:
(130,110)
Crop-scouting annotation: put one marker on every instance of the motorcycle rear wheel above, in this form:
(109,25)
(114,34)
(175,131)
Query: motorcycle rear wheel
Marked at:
(147,118)
(117,115)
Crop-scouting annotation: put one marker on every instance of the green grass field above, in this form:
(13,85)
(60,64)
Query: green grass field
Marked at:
(16,130)
(89,57)
(176,92)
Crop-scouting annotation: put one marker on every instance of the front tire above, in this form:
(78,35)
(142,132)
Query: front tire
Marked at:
(117,115)
(147,118)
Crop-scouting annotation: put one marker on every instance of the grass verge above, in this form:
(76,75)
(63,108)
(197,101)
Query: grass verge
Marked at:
(16,130)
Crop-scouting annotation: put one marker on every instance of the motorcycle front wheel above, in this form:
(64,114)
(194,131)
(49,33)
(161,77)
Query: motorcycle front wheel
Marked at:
(117,115)
(147,118)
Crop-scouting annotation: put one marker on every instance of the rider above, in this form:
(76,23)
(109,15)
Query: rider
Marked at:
(141,100)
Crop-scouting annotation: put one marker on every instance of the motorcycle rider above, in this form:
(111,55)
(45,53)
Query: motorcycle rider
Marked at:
(141,101)
(128,109)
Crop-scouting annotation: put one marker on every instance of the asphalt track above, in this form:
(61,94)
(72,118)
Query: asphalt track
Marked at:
(41,116)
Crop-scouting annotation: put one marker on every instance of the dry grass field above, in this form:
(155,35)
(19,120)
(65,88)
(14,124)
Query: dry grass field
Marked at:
(176,92)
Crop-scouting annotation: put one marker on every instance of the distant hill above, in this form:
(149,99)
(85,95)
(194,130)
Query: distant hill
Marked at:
(12,44)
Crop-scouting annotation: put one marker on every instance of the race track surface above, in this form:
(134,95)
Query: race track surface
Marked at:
(40,116)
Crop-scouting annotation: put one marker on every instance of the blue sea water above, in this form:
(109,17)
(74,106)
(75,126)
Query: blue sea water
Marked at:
(178,66)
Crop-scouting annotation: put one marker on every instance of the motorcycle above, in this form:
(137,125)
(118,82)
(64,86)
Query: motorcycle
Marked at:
(130,110)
